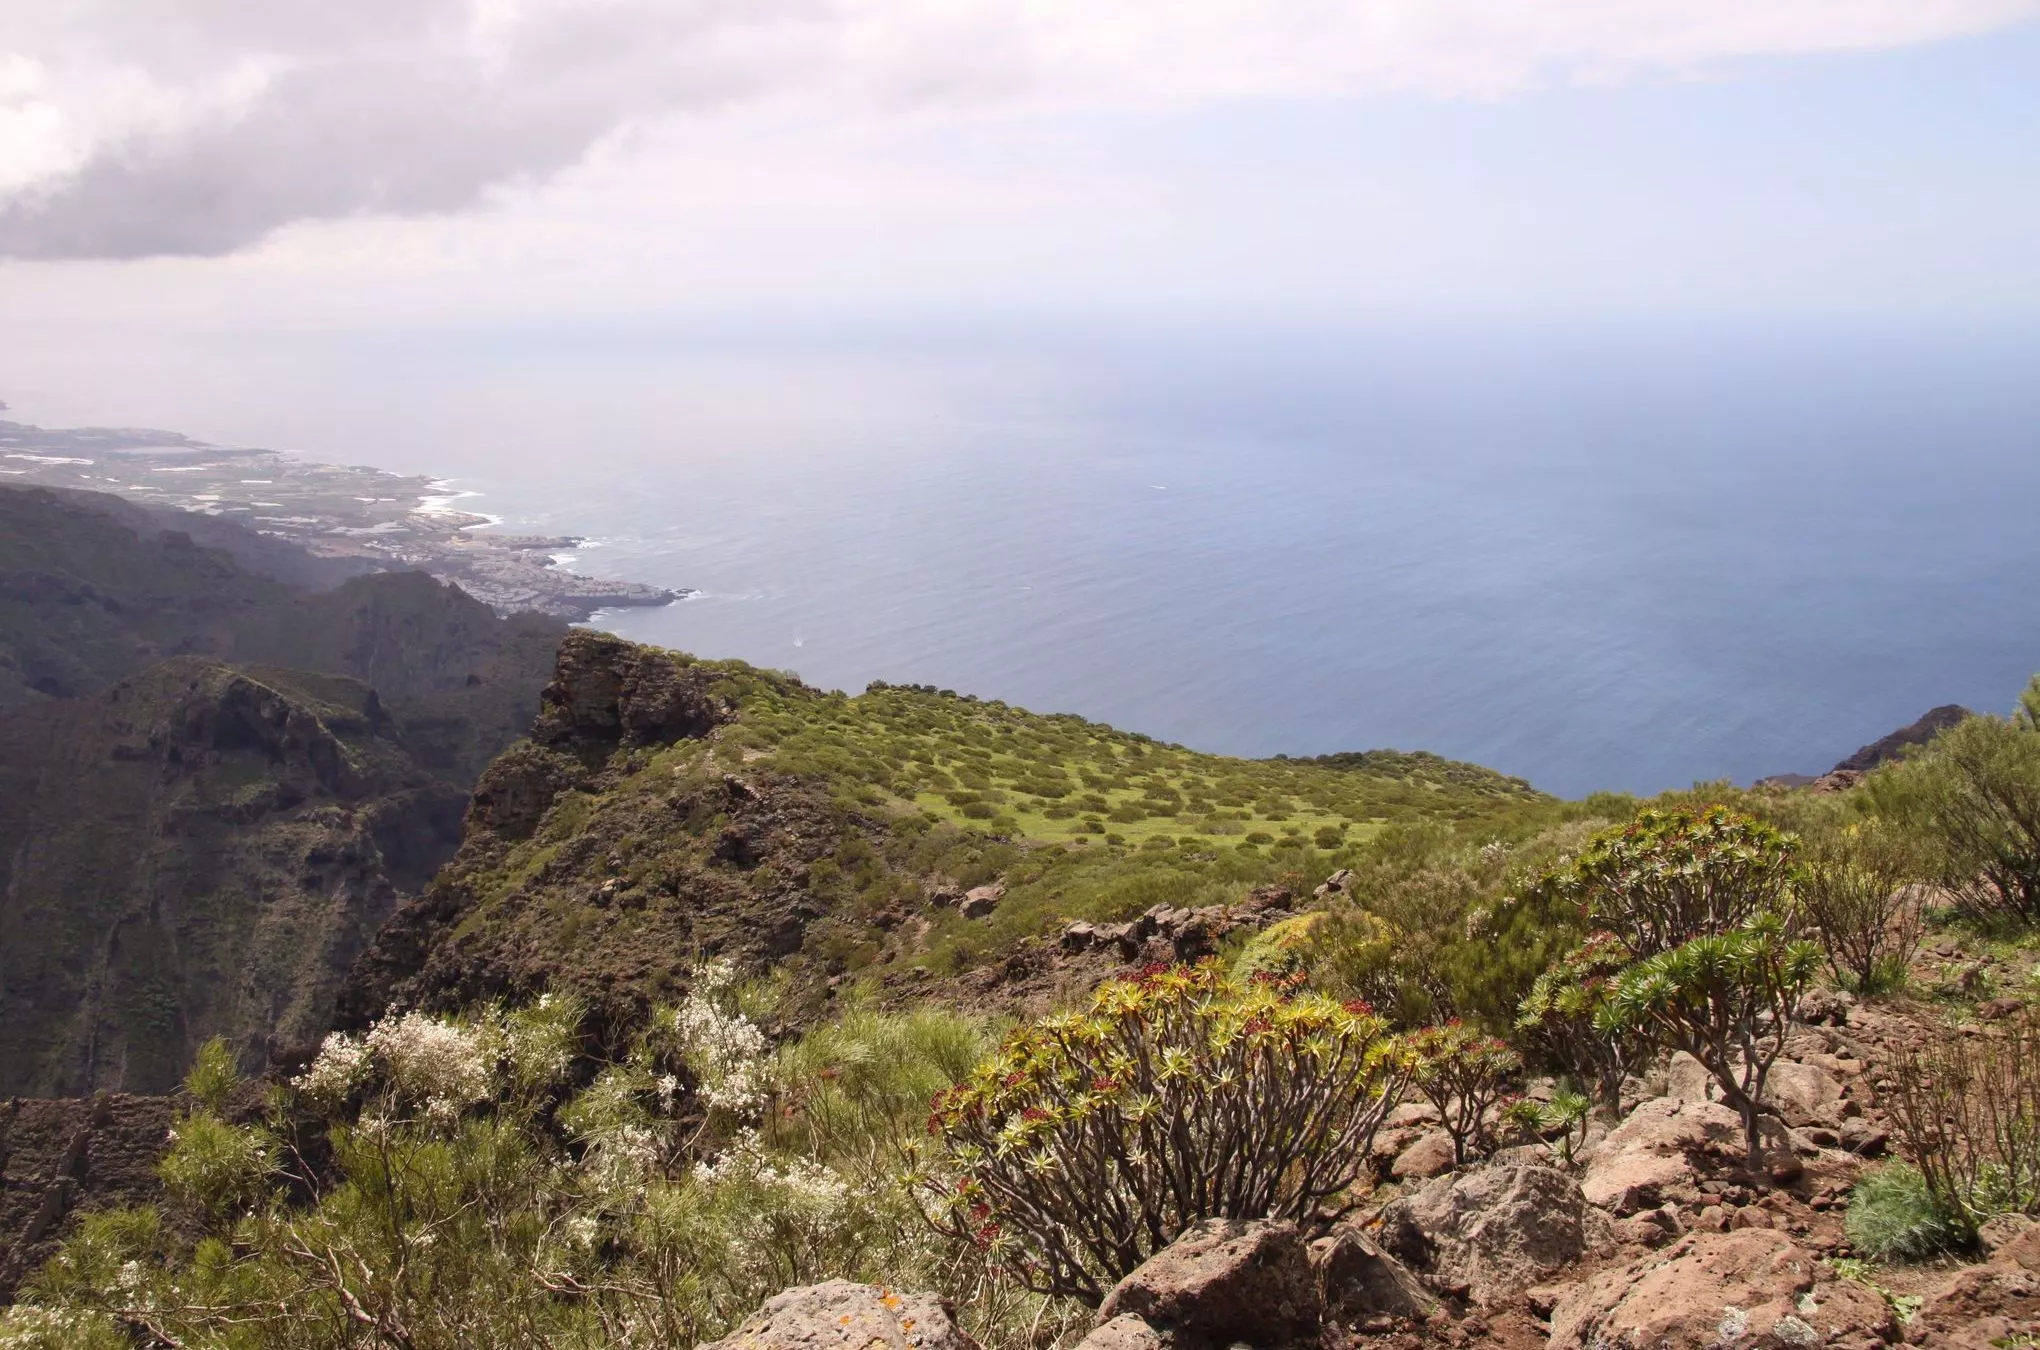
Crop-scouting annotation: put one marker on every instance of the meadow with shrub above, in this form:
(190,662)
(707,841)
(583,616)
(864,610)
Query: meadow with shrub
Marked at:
(518,1175)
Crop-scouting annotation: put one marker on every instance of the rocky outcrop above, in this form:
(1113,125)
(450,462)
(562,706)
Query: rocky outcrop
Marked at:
(215,785)
(580,872)
(1884,750)
(607,694)
(840,1315)
(1722,1291)
(1649,1159)
(62,1157)
(1223,1281)
(1489,1232)
(1125,1332)
(1986,1307)
(1168,933)
(201,850)
(1361,1285)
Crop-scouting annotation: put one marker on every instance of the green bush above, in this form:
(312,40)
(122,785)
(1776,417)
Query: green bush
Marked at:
(1561,1016)
(1973,794)
(1893,1216)
(1672,875)
(1700,895)
(1855,889)
(477,1182)
(1094,1138)
(1967,1111)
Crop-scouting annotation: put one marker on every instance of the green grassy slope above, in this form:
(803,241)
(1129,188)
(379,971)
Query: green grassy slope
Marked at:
(816,833)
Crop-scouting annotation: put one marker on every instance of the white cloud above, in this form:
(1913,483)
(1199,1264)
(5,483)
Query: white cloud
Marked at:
(137,127)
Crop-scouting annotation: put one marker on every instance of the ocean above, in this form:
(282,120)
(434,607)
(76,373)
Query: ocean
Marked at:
(1621,560)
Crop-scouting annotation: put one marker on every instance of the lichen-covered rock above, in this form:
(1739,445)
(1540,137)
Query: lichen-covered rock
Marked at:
(1806,1094)
(1496,1229)
(840,1315)
(1124,1332)
(1222,1281)
(1753,1287)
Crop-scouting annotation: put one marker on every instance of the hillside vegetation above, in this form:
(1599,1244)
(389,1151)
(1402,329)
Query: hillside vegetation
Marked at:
(667,806)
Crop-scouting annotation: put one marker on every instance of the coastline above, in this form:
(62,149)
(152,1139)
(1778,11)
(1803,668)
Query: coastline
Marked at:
(379,519)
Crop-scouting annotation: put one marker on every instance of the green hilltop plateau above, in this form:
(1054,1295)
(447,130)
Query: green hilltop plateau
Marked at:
(666,808)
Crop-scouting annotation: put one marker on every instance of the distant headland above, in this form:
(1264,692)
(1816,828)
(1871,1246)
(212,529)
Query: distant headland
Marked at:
(384,519)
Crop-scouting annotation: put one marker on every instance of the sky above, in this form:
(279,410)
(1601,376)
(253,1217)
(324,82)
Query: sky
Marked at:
(170,166)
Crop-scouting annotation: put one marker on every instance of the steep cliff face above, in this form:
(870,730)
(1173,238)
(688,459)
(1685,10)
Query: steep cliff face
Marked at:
(89,594)
(200,850)
(215,786)
(607,852)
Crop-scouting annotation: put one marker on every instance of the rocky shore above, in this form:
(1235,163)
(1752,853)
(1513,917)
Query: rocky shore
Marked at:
(379,519)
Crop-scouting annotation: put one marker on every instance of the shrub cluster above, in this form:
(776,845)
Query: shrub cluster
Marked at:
(448,1182)
(1094,1138)
(1967,1108)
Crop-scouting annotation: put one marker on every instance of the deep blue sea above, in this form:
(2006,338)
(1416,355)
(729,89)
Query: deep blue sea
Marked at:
(1611,560)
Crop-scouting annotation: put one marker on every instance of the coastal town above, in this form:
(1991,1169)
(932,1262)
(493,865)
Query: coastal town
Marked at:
(349,512)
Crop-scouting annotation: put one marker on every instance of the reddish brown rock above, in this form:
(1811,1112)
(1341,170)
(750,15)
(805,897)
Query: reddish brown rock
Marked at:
(1223,1280)
(1647,1159)
(1430,1156)
(1125,1332)
(1494,1230)
(1358,1281)
(1723,1291)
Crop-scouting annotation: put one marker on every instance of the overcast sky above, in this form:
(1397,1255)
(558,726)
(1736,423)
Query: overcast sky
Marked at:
(168,163)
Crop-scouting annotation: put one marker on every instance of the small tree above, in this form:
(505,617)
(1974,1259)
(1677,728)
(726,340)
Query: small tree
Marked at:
(1855,888)
(1670,876)
(1728,1000)
(1561,1015)
(1464,1074)
(1093,1139)
(1974,793)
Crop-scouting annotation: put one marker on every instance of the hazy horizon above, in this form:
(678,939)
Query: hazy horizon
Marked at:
(1727,286)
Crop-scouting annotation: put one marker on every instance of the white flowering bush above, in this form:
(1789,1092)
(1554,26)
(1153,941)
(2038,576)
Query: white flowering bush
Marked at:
(723,1048)
(446,1182)
(30,1326)
(444,1066)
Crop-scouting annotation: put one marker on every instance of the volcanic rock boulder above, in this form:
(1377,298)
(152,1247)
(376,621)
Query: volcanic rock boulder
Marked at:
(1358,1282)
(1494,1230)
(1723,1291)
(1224,1281)
(606,692)
(840,1315)
(1647,1160)
(1124,1332)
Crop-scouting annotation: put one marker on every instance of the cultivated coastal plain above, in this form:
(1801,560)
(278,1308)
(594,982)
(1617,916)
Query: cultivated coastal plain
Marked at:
(350,513)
